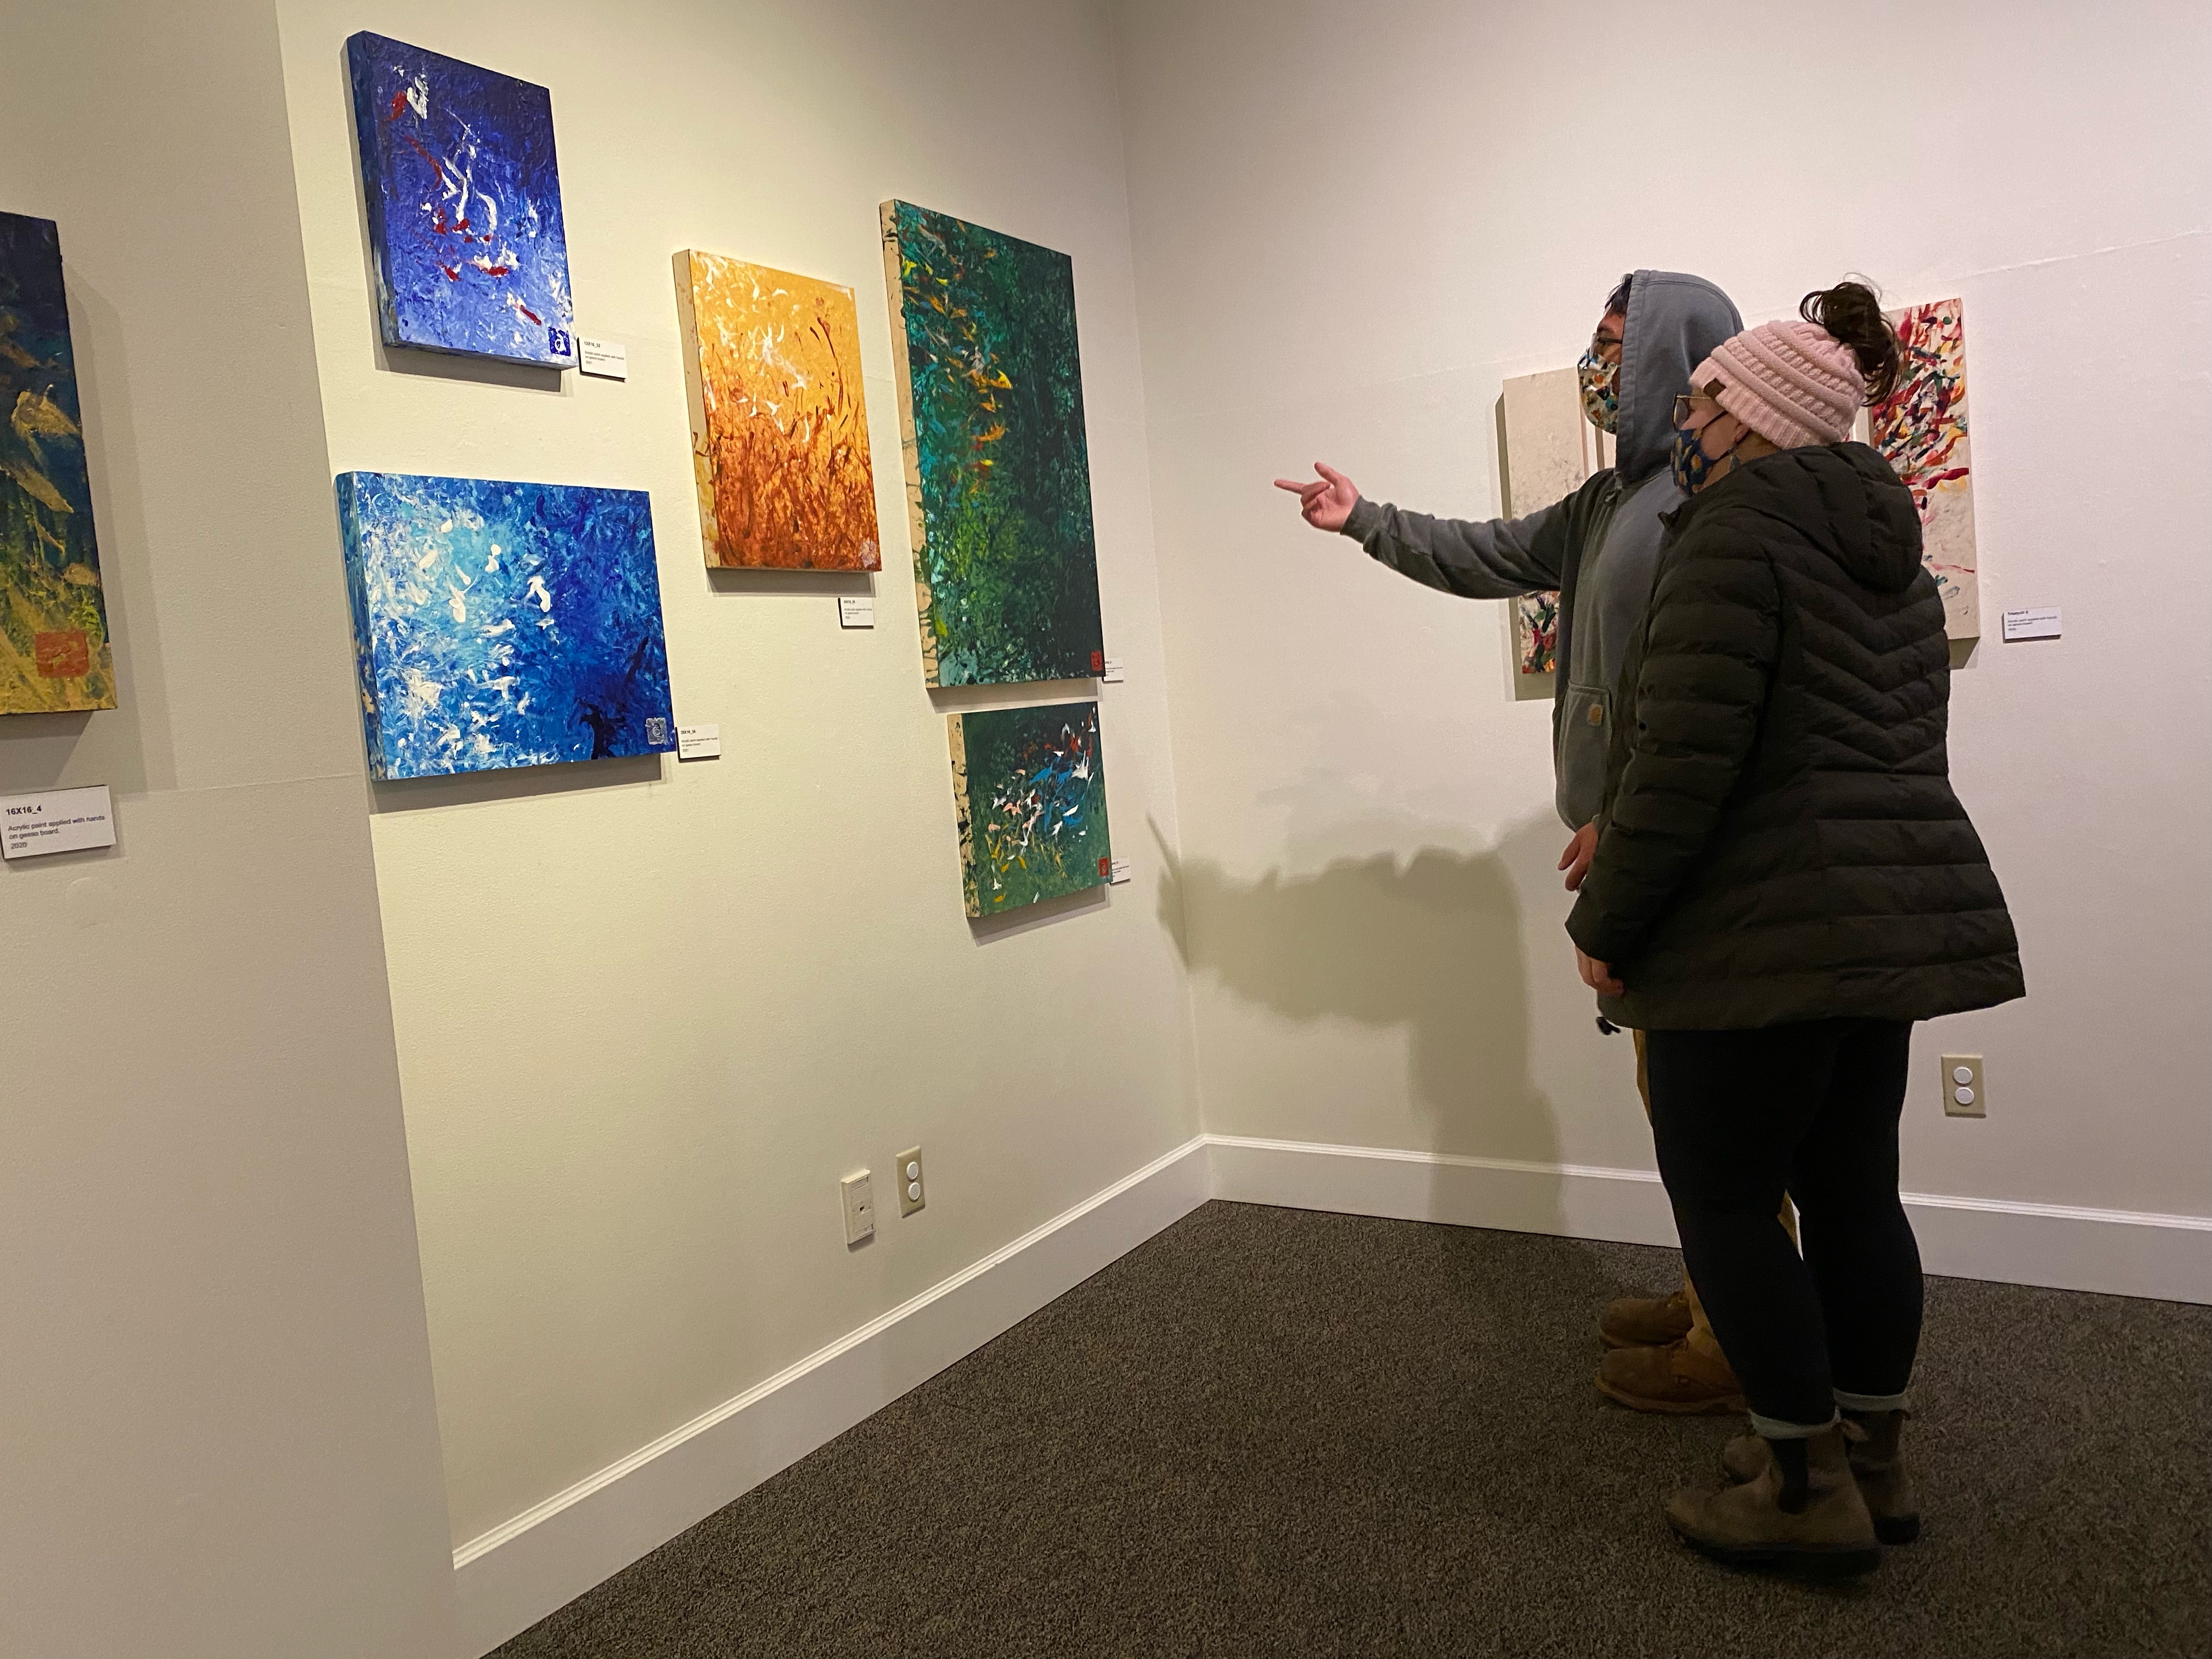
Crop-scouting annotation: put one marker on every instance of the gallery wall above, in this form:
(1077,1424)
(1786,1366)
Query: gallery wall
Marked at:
(1353,222)
(650,1013)
(216,1421)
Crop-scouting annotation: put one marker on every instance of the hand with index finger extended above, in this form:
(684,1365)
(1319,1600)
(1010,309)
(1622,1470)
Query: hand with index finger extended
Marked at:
(1324,503)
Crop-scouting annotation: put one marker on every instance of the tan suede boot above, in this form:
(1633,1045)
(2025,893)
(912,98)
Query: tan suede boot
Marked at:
(1804,1508)
(1680,1378)
(1644,1322)
(1892,1498)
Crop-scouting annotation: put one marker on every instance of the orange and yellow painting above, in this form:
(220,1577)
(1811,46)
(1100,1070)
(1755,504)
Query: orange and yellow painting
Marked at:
(779,425)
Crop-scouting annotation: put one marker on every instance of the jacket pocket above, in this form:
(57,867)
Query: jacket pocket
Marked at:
(1586,736)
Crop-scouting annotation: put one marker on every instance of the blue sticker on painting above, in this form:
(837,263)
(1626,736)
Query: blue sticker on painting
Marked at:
(503,625)
(464,198)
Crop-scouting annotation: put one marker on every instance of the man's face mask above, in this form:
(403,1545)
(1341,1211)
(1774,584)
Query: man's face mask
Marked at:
(1601,384)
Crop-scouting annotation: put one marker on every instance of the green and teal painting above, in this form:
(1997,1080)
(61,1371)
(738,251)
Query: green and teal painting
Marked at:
(1031,793)
(998,474)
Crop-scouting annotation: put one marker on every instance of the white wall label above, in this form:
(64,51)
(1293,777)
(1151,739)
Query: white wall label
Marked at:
(1112,673)
(856,610)
(698,743)
(58,821)
(1117,872)
(2041,623)
(605,358)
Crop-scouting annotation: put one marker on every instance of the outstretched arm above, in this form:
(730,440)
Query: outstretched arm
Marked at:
(1476,559)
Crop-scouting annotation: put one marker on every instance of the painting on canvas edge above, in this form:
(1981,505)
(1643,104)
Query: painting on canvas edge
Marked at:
(462,187)
(1029,786)
(500,624)
(996,461)
(55,653)
(1921,429)
(779,418)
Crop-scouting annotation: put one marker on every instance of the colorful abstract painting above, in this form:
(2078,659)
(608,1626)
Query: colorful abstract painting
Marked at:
(1030,789)
(1921,427)
(503,625)
(463,199)
(779,425)
(1547,448)
(54,653)
(996,469)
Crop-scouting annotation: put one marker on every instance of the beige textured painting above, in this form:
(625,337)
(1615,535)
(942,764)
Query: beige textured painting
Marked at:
(1546,449)
(1921,427)
(779,425)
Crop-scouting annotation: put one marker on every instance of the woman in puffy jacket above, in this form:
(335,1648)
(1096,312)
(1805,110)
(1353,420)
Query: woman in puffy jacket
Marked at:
(1783,883)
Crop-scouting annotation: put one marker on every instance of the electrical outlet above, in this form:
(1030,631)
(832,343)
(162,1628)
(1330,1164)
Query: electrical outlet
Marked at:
(912,1193)
(859,1193)
(1965,1095)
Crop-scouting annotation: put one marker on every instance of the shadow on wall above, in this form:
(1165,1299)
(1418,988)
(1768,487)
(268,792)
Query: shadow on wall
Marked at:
(1431,944)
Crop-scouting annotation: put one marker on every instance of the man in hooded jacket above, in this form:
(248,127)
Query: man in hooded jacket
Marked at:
(1599,549)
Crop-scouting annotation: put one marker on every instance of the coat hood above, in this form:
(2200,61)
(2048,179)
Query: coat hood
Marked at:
(1841,498)
(1674,322)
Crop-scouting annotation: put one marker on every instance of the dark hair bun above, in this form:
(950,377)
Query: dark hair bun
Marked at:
(1851,311)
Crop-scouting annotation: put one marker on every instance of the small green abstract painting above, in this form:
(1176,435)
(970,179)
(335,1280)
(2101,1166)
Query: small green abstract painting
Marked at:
(998,473)
(1031,790)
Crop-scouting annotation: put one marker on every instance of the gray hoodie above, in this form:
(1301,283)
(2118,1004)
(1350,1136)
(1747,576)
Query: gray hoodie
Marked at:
(1598,547)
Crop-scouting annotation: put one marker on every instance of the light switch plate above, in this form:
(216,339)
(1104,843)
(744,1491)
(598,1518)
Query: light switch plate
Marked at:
(912,1193)
(860,1207)
(1962,1075)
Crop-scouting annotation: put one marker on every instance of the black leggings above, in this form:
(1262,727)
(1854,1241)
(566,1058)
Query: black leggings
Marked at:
(1739,1116)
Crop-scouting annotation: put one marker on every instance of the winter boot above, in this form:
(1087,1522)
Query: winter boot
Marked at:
(1802,1508)
(1680,1378)
(1644,1322)
(1885,1481)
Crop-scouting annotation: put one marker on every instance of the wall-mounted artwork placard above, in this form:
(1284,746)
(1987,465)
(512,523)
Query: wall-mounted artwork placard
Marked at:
(54,651)
(1549,449)
(1029,787)
(1921,427)
(779,424)
(503,625)
(997,472)
(463,191)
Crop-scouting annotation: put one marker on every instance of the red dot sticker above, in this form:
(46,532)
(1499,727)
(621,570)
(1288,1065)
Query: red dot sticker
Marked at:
(1098,662)
(1105,866)
(63,656)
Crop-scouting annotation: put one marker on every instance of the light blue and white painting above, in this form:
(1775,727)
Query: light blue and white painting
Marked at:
(503,625)
(464,198)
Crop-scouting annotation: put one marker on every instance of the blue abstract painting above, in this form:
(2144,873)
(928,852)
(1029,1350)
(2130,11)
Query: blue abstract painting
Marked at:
(503,625)
(464,198)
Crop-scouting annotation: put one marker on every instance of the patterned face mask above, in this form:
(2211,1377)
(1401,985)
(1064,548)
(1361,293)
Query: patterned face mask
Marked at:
(1600,384)
(1691,467)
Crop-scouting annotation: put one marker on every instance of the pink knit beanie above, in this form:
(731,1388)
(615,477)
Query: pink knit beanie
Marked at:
(1792,383)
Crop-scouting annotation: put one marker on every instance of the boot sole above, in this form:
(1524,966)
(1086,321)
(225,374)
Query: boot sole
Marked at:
(1729,1404)
(1609,1340)
(1829,1563)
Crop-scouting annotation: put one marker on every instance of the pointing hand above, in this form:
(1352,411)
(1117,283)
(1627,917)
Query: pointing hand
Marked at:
(1326,502)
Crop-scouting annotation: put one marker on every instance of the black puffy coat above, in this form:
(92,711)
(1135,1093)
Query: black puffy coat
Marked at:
(1779,840)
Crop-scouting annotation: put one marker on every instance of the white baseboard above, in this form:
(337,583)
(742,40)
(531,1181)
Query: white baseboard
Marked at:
(508,1578)
(512,1575)
(2121,1252)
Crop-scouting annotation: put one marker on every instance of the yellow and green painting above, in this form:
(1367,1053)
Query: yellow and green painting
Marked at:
(779,425)
(998,471)
(54,653)
(1030,789)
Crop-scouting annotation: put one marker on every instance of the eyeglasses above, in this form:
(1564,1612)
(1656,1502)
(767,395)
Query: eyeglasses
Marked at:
(1603,344)
(1687,403)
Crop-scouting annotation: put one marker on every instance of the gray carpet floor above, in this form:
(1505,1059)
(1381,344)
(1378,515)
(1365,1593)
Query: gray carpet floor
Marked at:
(1277,1432)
